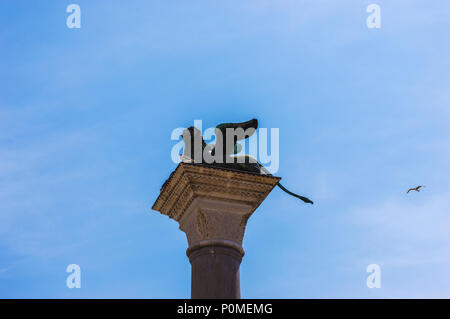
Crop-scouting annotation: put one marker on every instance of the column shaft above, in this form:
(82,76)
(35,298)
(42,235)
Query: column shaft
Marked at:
(215,270)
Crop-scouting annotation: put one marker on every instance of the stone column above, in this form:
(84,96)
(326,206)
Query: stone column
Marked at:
(212,206)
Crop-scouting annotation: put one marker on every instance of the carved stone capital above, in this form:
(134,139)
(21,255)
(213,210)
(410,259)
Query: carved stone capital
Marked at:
(212,203)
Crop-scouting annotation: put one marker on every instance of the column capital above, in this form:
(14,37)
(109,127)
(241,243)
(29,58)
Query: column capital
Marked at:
(212,204)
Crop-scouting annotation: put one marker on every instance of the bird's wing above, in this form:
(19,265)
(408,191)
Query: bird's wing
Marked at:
(411,189)
(241,131)
(252,124)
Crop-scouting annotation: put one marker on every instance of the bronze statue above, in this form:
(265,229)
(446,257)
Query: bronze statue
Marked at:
(223,153)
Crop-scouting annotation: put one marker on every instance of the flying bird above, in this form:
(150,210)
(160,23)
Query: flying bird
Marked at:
(417,189)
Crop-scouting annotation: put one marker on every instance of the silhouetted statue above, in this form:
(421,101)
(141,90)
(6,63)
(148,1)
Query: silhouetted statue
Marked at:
(223,153)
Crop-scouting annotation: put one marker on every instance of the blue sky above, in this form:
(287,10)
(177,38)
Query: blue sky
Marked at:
(85,122)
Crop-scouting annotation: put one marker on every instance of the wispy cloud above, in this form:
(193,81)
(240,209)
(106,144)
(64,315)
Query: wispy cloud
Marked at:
(409,234)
